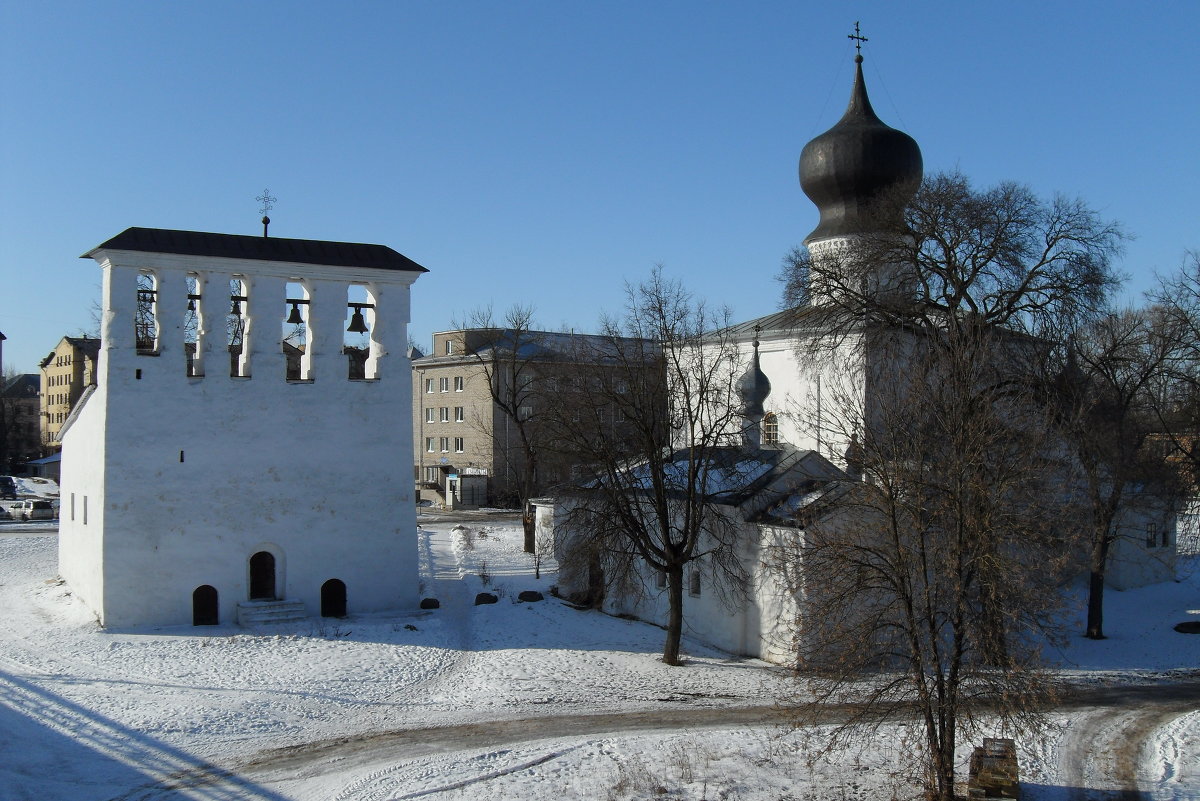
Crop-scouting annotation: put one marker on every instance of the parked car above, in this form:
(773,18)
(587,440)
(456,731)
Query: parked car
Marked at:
(33,510)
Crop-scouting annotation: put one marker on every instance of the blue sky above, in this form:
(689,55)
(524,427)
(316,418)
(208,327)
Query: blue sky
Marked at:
(547,152)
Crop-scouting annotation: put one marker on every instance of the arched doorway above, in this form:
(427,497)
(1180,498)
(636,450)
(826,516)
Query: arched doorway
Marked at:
(262,576)
(333,598)
(204,606)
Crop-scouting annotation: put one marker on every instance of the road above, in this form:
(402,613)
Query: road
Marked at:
(1101,752)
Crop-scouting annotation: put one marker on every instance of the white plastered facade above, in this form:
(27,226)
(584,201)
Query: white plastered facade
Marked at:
(172,482)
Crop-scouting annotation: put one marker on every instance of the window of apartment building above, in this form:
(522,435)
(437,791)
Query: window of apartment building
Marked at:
(444,384)
(524,412)
(449,347)
(459,445)
(460,414)
(694,584)
(430,415)
(1166,536)
(445,443)
(1151,535)
(429,444)
(445,410)
(429,385)
(432,475)
(458,383)
(770,429)
(660,579)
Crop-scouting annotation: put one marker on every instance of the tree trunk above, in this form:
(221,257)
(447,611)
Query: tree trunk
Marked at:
(1096,586)
(528,522)
(1095,607)
(674,614)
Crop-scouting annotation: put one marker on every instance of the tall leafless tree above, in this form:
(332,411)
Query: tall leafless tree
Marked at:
(513,358)
(931,585)
(651,423)
(938,575)
(1107,395)
(1177,300)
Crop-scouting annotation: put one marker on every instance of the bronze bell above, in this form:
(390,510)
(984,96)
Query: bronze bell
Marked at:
(358,323)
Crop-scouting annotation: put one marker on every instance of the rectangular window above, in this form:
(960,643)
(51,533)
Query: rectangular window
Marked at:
(429,385)
(1151,535)
(660,579)
(445,414)
(429,444)
(432,475)
(458,445)
(445,443)
(458,383)
(85,510)
(72,506)
(524,413)
(444,384)
(1166,537)
(694,584)
(429,415)
(449,346)
(460,414)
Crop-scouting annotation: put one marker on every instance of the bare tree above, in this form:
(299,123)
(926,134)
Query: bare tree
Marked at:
(937,576)
(512,356)
(650,422)
(1177,300)
(931,585)
(1108,397)
(998,257)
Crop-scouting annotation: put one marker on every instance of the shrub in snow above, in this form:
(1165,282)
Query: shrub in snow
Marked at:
(485,598)
(430,603)
(530,596)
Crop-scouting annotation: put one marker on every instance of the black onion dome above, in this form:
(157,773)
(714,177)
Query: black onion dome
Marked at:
(754,387)
(857,160)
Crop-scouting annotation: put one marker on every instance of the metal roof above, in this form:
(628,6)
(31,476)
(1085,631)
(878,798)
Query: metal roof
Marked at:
(261,248)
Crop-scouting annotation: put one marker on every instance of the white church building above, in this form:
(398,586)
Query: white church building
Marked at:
(808,413)
(215,474)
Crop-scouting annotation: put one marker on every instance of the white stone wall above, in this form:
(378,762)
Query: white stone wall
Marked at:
(1132,560)
(187,477)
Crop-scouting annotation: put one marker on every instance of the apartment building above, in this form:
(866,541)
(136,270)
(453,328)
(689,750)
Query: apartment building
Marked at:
(467,448)
(66,373)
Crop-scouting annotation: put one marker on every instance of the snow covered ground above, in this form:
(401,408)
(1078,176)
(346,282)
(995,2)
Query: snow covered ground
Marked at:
(510,700)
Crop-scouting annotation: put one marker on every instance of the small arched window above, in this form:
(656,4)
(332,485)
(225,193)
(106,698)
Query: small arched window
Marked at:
(770,429)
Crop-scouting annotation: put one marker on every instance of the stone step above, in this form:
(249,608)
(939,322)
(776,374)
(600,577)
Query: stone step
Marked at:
(259,613)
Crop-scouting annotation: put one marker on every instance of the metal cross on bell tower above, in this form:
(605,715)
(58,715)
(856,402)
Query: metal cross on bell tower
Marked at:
(858,40)
(268,203)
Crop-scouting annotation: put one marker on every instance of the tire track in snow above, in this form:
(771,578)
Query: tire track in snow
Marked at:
(1102,751)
